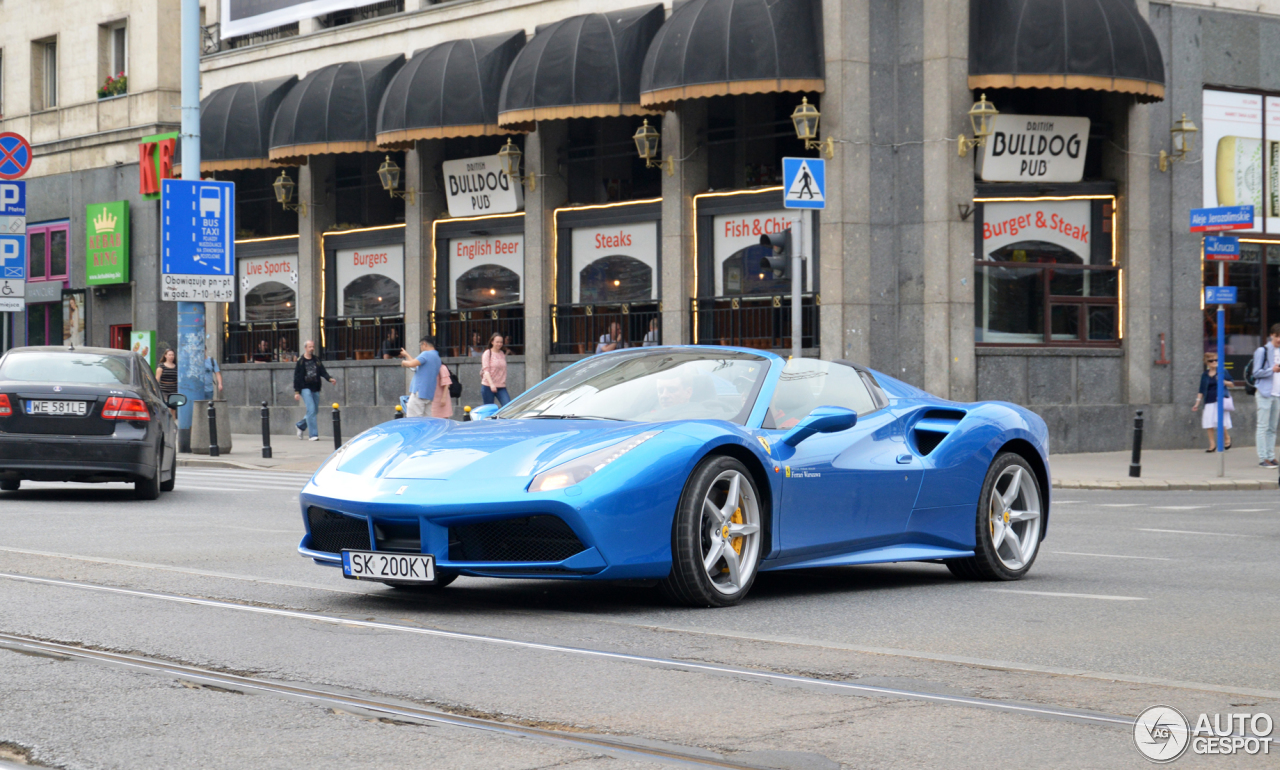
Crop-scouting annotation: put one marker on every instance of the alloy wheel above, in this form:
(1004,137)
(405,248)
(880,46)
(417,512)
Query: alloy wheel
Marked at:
(730,532)
(1014,517)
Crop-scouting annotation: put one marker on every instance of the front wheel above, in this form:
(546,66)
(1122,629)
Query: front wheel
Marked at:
(716,536)
(1008,525)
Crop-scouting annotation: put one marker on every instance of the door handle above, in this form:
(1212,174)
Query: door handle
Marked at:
(904,459)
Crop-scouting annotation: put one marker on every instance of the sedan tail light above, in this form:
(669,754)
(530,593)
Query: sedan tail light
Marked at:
(5,409)
(125,409)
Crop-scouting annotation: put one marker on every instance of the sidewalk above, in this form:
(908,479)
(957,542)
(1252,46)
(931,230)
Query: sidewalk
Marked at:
(287,454)
(1163,469)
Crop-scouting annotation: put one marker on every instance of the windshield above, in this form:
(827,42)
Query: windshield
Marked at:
(72,368)
(650,386)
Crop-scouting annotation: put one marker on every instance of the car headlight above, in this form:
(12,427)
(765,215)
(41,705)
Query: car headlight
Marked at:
(567,474)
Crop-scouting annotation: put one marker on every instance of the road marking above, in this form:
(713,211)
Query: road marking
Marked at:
(251,475)
(1067,502)
(1248,510)
(256,529)
(668,663)
(1111,555)
(1190,532)
(189,488)
(1121,505)
(1178,507)
(1071,596)
(181,570)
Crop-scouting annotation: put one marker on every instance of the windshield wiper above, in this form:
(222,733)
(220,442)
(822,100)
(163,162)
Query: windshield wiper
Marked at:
(571,417)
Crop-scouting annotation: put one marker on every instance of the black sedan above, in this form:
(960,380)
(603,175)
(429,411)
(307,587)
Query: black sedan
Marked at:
(85,415)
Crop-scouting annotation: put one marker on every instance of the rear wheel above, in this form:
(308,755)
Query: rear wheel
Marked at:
(149,489)
(1008,523)
(167,486)
(716,536)
(10,485)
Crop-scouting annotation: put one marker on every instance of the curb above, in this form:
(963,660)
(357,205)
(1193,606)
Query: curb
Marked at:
(1214,485)
(232,464)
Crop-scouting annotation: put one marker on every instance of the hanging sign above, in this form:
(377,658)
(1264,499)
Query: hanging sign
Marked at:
(1222,218)
(107,256)
(1224,248)
(1220,295)
(1024,224)
(155,163)
(1035,148)
(478,186)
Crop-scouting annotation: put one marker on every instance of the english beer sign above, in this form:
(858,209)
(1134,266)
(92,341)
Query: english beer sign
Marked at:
(477,186)
(1035,148)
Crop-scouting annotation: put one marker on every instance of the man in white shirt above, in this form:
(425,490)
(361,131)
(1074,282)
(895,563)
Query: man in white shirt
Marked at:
(1266,364)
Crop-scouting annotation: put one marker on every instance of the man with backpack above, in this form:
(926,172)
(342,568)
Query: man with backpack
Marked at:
(1266,364)
(423,387)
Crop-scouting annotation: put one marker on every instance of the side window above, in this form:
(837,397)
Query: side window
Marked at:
(806,384)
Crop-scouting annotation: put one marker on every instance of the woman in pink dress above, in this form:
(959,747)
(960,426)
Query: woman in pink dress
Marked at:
(441,403)
(493,372)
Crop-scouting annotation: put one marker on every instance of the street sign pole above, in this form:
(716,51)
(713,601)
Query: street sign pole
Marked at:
(804,187)
(1222,364)
(190,336)
(797,261)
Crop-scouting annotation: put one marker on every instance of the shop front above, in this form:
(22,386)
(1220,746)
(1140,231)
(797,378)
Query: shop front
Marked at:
(479,284)
(262,324)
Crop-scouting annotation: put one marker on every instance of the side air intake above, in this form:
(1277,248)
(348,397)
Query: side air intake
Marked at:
(934,426)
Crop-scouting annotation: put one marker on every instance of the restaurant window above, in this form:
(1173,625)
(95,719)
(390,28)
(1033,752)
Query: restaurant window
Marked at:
(479,278)
(364,293)
(262,325)
(748,135)
(1045,272)
(603,166)
(359,198)
(258,215)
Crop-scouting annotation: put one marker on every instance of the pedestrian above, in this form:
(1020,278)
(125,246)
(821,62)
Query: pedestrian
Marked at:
(1265,365)
(493,371)
(475,348)
(422,389)
(442,403)
(651,337)
(611,341)
(1208,398)
(167,376)
(284,353)
(263,355)
(212,376)
(392,345)
(308,376)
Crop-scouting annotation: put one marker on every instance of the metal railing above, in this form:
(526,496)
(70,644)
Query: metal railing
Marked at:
(466,332)
(245,342)
(762,322)
(361,338)
(578,329)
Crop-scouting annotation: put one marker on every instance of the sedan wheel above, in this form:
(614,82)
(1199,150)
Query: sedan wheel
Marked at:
(1008,527)
(716,537)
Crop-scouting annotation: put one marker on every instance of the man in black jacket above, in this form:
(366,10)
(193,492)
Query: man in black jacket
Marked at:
(307,376)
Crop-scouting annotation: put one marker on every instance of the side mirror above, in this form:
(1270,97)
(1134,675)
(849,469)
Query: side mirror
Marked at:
(176,400)
(484,412)
(824,419)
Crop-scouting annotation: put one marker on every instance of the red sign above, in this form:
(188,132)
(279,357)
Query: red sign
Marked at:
(155,162)
(15,155)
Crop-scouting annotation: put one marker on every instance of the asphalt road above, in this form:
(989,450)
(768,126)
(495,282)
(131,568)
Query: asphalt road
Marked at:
(243,654)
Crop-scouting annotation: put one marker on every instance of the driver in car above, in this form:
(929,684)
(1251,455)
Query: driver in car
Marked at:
(674,391)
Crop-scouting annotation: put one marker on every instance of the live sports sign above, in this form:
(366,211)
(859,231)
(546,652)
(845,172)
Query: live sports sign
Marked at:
(155,162)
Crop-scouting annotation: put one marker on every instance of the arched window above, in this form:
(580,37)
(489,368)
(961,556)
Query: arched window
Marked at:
(371,294)
(616,278)
(485,285)
(270,301)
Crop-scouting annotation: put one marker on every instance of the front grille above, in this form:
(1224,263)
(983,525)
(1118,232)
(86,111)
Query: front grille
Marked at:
(529,538)
(331,532)
(400,536)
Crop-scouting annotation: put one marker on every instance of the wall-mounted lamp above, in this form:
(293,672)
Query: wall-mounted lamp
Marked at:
(805,118)
(510,156)
(980,116)
(648,145)
(1184,138)
(284,187)
(389,176)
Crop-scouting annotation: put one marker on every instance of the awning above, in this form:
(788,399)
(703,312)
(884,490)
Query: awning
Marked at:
(332,110)
(448,90)
(235,124)
(1103,45)
(581,67)
(721,47)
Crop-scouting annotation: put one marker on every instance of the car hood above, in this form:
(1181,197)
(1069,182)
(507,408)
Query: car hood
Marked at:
(486,449)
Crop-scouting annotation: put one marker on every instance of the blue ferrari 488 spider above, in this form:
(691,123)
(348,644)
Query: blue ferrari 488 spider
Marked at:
(697,467)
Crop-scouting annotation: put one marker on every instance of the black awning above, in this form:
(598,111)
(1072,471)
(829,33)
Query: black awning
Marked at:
(447,90)
(720,47)
(332,110)
(581,67)
(1103,45)
(235,124)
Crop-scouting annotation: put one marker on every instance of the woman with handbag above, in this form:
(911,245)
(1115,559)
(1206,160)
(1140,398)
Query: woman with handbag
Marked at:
(493,372)
(1208,398)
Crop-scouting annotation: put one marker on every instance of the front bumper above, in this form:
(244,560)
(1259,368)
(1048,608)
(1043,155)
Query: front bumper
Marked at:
(64,458)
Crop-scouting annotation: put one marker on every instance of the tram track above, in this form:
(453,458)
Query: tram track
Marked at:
(831,686)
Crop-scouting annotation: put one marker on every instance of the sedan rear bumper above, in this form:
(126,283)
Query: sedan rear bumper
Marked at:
(59,458)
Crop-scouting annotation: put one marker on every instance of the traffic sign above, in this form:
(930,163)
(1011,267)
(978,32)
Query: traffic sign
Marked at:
(1225,248)
(15,155)
(804,183)
(13,199)
(13,271)
(198,241)
(1219,295)
(1222,218)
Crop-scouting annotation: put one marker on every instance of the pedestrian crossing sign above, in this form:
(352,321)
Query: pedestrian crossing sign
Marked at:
(804,183)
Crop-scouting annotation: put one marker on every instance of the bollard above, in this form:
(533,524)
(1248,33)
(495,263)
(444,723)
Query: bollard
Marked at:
(399,412)
(337,427)
(213,430)
(266,431)
(466,414)
(1135,464)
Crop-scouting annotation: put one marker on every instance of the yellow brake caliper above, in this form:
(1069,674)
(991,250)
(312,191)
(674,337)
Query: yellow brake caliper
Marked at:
(736,518)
